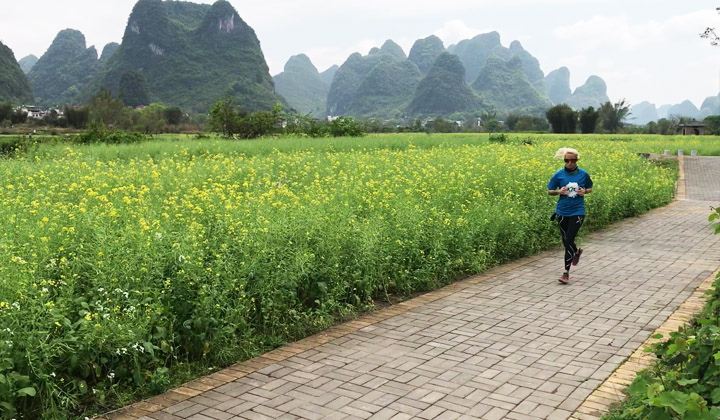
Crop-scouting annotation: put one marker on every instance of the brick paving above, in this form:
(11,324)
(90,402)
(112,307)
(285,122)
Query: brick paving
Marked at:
(699,169)
(512,343)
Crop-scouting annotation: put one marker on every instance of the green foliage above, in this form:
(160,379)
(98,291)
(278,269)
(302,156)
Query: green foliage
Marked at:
(18,116)
(519,123)
(444,91)
(712,124)
(65,70)
(562,119)
(134,89)
(6,110)
(346,127)
(106,110)
(425,51)
(386,90)
(498,138)
(612,116)
(189,60)
(258,124)
(108,50)
(473,53)
(14,146)
(588,120)
(305,125)
(223,117)
(173,115)
(715,215)
(301,85)
(14,84)
(505,85)
(348,79)
(77,117)
(98,133)
(151,119)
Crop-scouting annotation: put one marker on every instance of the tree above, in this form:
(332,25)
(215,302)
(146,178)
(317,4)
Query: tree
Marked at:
(346,127)
(588,120)
(6,110)
(665,126)
(151,119)
(18,116)
(712,123)
(105,109)
(133,89)
(612,116)
(224,117)
(77,117)
(173,115)
(562,118)
(711,35)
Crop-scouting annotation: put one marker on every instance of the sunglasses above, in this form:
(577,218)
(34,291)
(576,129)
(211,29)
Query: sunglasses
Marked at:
(570,160)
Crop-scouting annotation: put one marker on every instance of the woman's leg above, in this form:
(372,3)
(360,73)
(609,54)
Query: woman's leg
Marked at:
(569,227)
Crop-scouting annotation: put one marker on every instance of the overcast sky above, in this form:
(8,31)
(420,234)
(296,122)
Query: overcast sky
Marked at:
(644,49)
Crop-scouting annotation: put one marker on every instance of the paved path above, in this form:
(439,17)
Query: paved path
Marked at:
(512,343)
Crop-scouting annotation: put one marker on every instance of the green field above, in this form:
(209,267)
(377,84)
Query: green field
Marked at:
(120,266)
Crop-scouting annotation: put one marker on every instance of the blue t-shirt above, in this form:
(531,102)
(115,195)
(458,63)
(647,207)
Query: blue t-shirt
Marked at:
(571,204)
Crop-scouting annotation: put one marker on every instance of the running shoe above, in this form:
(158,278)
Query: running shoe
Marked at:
(576,257)
(565,278)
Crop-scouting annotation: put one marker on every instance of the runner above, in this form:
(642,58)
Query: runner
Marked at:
(571,184)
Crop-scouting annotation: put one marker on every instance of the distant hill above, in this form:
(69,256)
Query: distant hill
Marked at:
(387,89)
(64,71)
(351,75)
(530,65)
(474,52)
(329,74)
(684,109)
(393,49)
(444,91)
(557,85)
(425,51)
(505,85)
(14,84)
(711,105)
(191,55)
(27,63)
(642,113)
(593,93)
(108,51)
(302,86)
(663,110)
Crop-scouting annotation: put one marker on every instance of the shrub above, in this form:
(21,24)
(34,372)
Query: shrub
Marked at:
(346,127)
(98,133)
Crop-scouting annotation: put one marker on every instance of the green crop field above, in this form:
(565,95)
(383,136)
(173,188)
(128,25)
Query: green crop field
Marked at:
(122,265)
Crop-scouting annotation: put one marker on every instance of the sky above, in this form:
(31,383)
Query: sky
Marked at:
(645,50)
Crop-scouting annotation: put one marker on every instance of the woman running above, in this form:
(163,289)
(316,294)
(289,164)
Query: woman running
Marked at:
(571,184)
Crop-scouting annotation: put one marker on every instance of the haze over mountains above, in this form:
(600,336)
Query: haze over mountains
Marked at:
(190,55)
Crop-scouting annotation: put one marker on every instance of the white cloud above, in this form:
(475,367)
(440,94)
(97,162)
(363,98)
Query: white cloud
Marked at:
(456,30)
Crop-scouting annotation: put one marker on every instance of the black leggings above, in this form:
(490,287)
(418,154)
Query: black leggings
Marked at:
(569,227)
